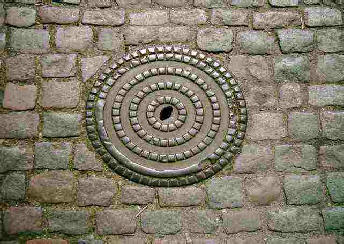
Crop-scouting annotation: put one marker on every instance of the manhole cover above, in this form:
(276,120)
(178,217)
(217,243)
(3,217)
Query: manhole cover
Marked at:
(166,116)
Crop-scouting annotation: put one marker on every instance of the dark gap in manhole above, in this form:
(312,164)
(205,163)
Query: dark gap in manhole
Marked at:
(166,112)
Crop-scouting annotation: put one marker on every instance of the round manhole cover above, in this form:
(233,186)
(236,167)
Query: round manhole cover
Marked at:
(166,116)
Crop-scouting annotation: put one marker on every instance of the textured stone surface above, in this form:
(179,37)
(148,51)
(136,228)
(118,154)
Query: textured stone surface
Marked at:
(58,65)
(241,221)
(209,3)
(15,159)
(261,96)
(179,197)
(58,15)
(297,158)
(225,192)
(89,66)
(110,40)
(329,67)
(84,159)
(96,191)
(253,158)
(284,3)
(134,3)
(323,95)
(19,125)
(259,68)
(29,40)
(303,189)
(215,39)
(24,71)
(330,40)
(151,17)
(20,17)
(18,97)
(290,95)
(22,219)
(263,190)
(322,240)
(47,241)
(276,19)
(137,195)
(319,16)
(171,3)
(248,3)
(255,42)
(266,126)
(52,187)
(333,218)
(188,17)
(114,222)
(13,187)
(303,126)
(68,222)
(291,68)
(295,40)
(229,17)
(60,94)
(335,186)
(74,38)
(245,240)
(278,240)
(52,156)
(57,124)
(104,17)
(161,222)
(201,221)
(294,220)
(333,124)
(332,156)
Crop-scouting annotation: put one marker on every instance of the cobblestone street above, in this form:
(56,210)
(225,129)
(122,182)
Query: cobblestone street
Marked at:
(286,186)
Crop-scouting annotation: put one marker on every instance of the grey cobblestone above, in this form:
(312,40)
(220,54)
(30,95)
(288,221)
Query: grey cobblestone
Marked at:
(22,72)
(18,97)
(29,40)
(15,159)
(19,125)
(89,66)
(110,40)
(171,3)
(333,125)
(261,96)
(303,126)
(52,156)
(58,124)
(335,184)
(137,195)
(58,65)
(20,17)
(179,197)
(255,42)
(115,222)
(241,221)
(297,158)
(332,156)
(334,218)
(248,3)
(151,17)
(323,95)
(284,3)
(104,17)
(245,240)
(329,67)
(161,222)
(134,3)
(100,3)
(68,222)
(290,95)
(278,240)
(84,159)
(74,38)
(209,3)
(215,39)
(188,17)
(319,16)
(330,40)
(295,40)
(321,240)
(292,69)
(13,187)
(58,15)
(230,17)
(22,219)
(263,190)
(201,221)
(276,19)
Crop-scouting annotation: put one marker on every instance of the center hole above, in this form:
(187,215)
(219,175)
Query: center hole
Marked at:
(166,113)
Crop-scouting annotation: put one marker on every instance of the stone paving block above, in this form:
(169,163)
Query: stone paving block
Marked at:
(52,187)
(17,97)
(296,40)
(259,68)
(73,38)
(241,221)
(68,222)
(19,125)
(89,66)
(175,34)
(233,17)
(290,95)
(209,3)
(323,95)
(161,222)
(297,158)
(116,222)
(215,39)
(245,240)
(335,186)
(84,159)
(47,241)
(22,72)
(330,40)
(58,65)
(52,156)
(58,15)
(134,35)
(13,187)
(104,17)
(278,240)
(294,219)
(333,124)
(181,197)
(329,67)
(128,240)
(110,40)
(171,3)
(22,219)
(303,189)
(201,221)
(333,218)
(225,192)
(15,159)
(188,17)
(58,124)
(134,3)
(332,156)
(248,3)
(149,17)
(20,16)
(292,69)
(284,3)
(2,14)
(137,195)
(60,94)
(276,19)
(100,3)
(96,191)
(29,40)
(303,126)
(255,42)
(3,35)
(266,125)
(322,240)
(253,158)
(263,190)
(261,96)
(322,16)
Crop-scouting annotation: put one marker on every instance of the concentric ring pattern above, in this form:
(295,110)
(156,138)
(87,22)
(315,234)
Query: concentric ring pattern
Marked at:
(166,116)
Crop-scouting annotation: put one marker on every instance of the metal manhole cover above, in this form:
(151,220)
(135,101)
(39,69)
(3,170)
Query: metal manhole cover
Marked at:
(166,116)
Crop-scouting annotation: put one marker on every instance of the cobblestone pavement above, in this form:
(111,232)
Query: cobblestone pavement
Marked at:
(286,186)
